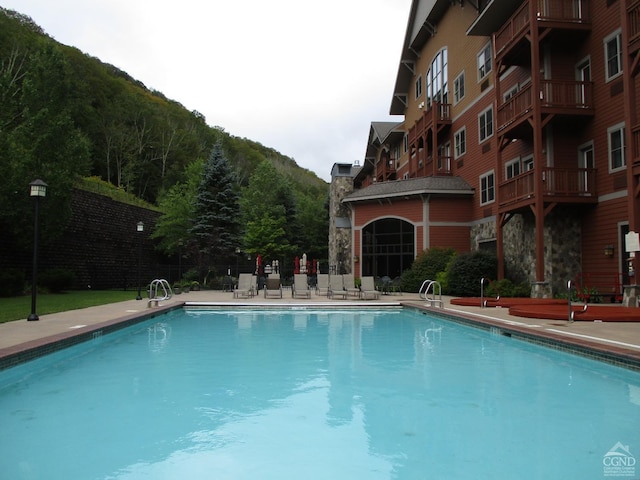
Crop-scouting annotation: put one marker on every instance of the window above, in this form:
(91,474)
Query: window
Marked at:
(460,142)
(485,124)
(613,55)
(617,159)
(419,87)
(458,88)
(586,161)
(444,157)
(513,168)
(527,163)
(510,93)
(484,61)
(405,143)
(436,79)
(487,188)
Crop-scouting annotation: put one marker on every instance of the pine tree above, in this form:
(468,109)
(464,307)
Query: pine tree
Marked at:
(216,225)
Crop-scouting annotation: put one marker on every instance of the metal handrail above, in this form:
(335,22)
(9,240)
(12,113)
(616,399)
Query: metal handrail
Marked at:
(159,291)
(431,286)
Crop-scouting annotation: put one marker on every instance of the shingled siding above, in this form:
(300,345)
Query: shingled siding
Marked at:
(100,245)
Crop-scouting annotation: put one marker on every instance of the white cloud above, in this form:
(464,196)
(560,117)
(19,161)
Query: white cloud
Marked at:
(304,79)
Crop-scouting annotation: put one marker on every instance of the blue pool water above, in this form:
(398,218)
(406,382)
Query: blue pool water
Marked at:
(309,394)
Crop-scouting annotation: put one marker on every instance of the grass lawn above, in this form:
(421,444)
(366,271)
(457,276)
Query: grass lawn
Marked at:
(17,308)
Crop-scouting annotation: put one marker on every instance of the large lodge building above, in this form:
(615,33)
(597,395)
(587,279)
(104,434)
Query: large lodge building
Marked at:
(521,136)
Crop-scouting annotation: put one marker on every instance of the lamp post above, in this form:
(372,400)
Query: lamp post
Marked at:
(237,262)
(37,189)
(139,229)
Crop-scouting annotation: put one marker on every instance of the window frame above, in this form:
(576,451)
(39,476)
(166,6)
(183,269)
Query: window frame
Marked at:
(483,133)
(484,56)
(418,87)
(457,152)
(458,88)
(511,166)
(487,192)
(617,37)
(614,129)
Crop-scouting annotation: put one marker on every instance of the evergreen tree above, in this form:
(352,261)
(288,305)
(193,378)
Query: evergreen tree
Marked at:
(215,225)
(269,194)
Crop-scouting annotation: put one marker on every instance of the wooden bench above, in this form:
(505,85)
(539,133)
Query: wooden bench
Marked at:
(599,287)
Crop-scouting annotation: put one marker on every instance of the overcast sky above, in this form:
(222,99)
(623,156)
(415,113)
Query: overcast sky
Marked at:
(305,78)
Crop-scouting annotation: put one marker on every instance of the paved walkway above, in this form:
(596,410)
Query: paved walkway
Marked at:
(15,337)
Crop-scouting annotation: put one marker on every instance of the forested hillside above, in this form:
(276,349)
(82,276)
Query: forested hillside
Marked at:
(67,117)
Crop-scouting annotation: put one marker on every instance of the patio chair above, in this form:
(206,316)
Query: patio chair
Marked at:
(350,285)
(300,286)
(243,289)
(273,287)
(368,289)
(322,285)
(336,287)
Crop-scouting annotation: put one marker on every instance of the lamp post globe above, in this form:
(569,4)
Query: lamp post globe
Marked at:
(139,229)
(37,189)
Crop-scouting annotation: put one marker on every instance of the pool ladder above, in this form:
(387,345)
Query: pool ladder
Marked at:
(159,291)
(435,300)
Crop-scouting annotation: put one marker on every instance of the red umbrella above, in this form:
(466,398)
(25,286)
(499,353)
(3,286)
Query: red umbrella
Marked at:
(296,265)
(258,263)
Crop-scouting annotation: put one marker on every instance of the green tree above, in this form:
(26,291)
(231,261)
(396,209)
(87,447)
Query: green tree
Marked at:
(172,228)
(44,143)
(269,195)
(215,224)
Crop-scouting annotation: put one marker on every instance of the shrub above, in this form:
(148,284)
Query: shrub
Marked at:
(465,271)
(57,280)
(426,266)
(11,282)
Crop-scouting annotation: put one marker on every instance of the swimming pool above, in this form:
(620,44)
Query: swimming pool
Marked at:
(277,394)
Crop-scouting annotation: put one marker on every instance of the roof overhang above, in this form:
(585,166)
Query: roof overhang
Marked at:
(406,189)
(493,16)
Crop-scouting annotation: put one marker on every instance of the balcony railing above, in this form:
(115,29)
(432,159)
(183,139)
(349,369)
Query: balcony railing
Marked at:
(568,95)
(570,183)
(565,11)
(633,16)
(436,113)
(635,144)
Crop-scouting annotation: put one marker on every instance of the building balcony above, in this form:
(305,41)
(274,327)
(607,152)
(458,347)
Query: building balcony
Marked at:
(560,15)
(556,97)
(433,116)
(386,171)
(633,17)
(635,149)
(560,185)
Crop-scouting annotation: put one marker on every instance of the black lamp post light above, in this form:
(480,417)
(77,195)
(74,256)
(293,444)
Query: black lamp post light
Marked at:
(139,229)
(37,189)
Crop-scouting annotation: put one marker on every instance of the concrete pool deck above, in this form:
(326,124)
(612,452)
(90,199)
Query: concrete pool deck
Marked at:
(618,339)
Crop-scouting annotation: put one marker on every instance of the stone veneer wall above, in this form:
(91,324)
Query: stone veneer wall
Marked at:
(339,237)
(562,245)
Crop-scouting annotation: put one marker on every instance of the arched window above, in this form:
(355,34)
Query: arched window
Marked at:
(437,84)
(388,247)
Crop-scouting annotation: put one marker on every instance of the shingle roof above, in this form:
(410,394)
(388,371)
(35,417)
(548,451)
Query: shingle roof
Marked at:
(414,186)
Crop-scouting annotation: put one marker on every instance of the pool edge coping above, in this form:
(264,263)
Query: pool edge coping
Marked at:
(608,353)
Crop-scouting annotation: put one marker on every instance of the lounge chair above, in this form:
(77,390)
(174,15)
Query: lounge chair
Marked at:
(243,289)
(300,286)
(336,287)
(272,287)
(368,289)
(322,285)
(350,285)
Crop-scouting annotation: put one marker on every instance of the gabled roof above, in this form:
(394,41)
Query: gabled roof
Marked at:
(423,19)
(443,185)
(381,133)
